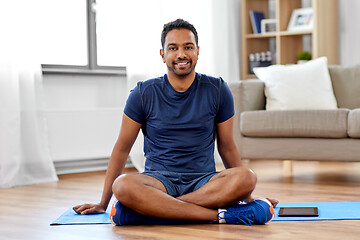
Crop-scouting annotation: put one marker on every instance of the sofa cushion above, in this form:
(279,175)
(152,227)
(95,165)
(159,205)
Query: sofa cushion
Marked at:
(295,123)
(346,84)
(354,123)
(298,86)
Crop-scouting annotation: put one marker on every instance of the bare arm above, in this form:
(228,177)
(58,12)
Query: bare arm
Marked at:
(226,144)
(128,133)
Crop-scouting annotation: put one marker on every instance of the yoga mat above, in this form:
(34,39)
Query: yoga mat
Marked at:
(70,217)
(327,211)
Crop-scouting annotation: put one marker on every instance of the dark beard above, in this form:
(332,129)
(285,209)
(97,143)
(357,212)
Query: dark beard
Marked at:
(184,74)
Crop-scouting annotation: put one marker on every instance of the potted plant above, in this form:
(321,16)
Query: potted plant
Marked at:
(304,56)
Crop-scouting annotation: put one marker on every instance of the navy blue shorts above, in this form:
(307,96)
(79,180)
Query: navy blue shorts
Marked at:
(178,184)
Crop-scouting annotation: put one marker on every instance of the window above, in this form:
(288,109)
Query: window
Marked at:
(53,32)
(62,34)
(110,36)
(81,35)
(62,31)
(86,14)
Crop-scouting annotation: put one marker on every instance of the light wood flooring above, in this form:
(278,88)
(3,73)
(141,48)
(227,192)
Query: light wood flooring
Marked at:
(26,212)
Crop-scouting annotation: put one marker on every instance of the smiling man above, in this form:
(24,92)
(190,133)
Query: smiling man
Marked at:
(180,53)
(181,114)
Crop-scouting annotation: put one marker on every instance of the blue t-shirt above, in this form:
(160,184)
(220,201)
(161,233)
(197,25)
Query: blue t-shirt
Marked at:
(180,127)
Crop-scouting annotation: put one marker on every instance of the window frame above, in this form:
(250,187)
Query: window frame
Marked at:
(92,67)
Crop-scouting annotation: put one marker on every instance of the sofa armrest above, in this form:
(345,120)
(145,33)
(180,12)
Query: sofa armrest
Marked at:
(248,95)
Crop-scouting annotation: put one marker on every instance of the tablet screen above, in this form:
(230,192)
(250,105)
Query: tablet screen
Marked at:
(298,212)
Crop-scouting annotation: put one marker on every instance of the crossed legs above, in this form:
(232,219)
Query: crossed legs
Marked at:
(148,196)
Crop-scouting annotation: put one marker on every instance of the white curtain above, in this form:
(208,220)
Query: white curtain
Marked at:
(218,26)
(349,34)
(24,152)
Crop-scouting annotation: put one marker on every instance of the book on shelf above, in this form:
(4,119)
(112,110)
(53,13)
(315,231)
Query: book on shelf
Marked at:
(255,18)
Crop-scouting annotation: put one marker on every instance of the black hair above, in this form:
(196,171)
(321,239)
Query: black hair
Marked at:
(177,24)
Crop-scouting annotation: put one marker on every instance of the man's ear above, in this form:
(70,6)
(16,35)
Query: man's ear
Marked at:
(162,55)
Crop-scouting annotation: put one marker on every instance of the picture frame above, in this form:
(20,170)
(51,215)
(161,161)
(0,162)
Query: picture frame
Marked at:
(301,20)
(268,26)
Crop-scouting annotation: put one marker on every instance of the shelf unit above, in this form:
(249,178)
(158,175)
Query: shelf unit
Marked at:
(324,35)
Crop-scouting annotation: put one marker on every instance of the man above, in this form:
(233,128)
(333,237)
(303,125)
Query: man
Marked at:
(180,114)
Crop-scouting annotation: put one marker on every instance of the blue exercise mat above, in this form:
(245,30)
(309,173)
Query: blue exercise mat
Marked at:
(327,211)
(70,217)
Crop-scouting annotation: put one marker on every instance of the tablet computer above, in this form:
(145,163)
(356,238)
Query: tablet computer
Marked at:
(298,212)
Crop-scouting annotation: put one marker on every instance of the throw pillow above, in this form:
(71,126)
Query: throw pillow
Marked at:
(346,84)
(298,86)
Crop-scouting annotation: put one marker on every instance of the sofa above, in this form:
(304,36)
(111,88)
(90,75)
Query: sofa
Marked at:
(300,133)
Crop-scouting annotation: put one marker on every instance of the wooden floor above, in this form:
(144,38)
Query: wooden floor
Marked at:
(26,212)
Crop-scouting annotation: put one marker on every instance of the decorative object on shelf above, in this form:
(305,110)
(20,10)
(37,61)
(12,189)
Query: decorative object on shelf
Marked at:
(268,25)
(256,18)
(321,40)
(262,59)
(304,56)
(301,20)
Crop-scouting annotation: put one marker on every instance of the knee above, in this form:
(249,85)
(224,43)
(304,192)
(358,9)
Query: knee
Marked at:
(123,187)
(245,179)
(251,177)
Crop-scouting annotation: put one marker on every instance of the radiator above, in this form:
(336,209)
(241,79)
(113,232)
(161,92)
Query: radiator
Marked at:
(82,140)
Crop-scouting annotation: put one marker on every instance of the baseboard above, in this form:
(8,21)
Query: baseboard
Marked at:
(84,165)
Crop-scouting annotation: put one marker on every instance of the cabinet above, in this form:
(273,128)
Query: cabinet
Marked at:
(285,45)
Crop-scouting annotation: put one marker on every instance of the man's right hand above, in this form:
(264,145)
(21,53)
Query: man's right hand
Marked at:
(85,209)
